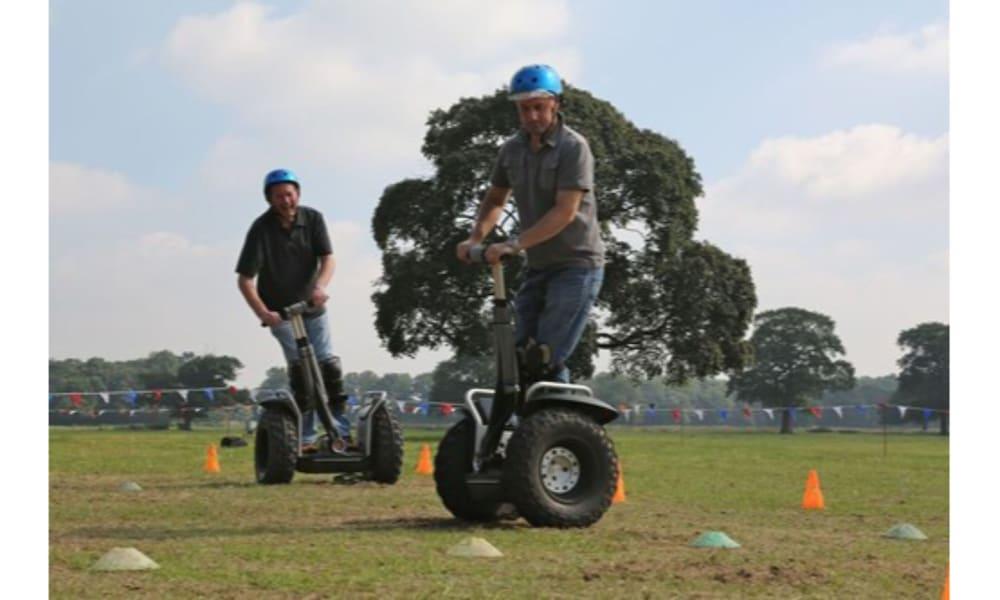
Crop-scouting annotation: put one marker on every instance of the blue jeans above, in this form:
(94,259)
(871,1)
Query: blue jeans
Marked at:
(553,307)
(318,331)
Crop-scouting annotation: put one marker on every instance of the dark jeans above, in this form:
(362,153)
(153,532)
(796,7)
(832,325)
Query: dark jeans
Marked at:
(553,306)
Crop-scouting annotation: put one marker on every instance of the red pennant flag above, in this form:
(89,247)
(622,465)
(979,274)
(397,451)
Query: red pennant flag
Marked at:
(233,390)
(816,411)
(447,409)
(747,413)
(157,395)
(677,415)
(76,398)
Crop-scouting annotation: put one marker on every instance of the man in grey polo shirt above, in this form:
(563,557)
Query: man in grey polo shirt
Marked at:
(288,251)
(550,170)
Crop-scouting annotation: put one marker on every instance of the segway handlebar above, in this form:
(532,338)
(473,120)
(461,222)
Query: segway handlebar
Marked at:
(290,311)
(477,254)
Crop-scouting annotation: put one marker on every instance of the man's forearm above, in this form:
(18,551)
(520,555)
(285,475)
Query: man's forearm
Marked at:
(552,222)
(489,213)
(249,291)
(327,265)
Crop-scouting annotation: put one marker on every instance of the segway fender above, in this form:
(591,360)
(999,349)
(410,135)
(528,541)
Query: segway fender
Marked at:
(281,400)
(597,409)
(365,421)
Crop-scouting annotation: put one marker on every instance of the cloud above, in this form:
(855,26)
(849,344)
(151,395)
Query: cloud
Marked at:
(852,223)
(355,82)
(75,189)
(796,185)
(921,51)
(163,290)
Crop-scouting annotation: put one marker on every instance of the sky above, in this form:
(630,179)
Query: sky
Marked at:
(820,131)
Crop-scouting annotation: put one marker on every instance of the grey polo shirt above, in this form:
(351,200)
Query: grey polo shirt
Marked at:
(285,262)
(564,162)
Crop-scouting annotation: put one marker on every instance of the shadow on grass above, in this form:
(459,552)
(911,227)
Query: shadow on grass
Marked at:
(393,524)
(425,523)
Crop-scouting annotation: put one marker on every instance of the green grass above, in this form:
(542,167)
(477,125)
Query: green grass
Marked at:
(223,536)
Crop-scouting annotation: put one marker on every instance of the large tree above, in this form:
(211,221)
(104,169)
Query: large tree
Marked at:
(669,305)
(924,374)
(453,377)
(796,359)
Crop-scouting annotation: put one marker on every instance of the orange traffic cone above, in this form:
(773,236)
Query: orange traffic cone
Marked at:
(212,460)
(424,466)
(944,592)
(813,498)
(620,490)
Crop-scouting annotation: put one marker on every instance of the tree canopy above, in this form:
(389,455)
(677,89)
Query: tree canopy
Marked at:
(796,359)
(669,306)
(924,368)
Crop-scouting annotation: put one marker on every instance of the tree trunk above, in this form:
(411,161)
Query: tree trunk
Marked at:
(944,423)
(786,422)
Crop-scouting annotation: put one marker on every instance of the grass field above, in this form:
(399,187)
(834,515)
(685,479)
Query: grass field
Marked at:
(223,536)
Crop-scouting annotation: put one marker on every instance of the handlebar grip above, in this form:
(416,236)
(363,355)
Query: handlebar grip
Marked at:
(477,254)
(293,309)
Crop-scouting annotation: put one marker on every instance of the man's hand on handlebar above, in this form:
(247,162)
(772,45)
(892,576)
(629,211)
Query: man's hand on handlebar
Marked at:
(318,297)
(495,252)
(270,318)
(462,251)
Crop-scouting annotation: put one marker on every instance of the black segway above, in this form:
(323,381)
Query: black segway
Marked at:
(377,451)
(539,445)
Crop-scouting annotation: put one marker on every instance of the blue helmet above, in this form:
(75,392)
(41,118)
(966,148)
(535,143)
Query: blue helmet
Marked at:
(280,176)
(534,81)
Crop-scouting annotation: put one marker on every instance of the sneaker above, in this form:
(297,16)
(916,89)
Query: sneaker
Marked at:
(310,448)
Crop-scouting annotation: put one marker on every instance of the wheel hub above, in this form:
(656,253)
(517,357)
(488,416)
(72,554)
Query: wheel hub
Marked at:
(560,470)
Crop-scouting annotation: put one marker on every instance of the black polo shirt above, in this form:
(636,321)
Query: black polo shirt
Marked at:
(285,262)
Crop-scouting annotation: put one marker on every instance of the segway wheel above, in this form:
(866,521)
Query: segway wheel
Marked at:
(387,447)
(451,465)
(275,447)
(561,469)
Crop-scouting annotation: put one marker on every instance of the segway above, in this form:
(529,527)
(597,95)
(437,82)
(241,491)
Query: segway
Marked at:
(377,451)
(539,445)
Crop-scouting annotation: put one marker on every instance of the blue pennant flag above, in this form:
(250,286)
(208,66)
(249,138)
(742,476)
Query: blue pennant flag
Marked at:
(425,408)
(209,394)
(131,397)
(927,414)
(861,408)
(723,414)
(650,415)
(352,401)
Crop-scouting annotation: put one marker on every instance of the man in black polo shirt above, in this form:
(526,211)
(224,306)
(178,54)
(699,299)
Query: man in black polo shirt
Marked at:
(288,251)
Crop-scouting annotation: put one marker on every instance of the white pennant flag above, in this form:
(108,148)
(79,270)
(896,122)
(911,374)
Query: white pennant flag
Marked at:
(400,404)
(769,412)
(184,394)
(700,414)
(902,411)
(839,411)
(104,396)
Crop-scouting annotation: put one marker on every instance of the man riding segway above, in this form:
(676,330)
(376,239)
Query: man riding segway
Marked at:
(288,251)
